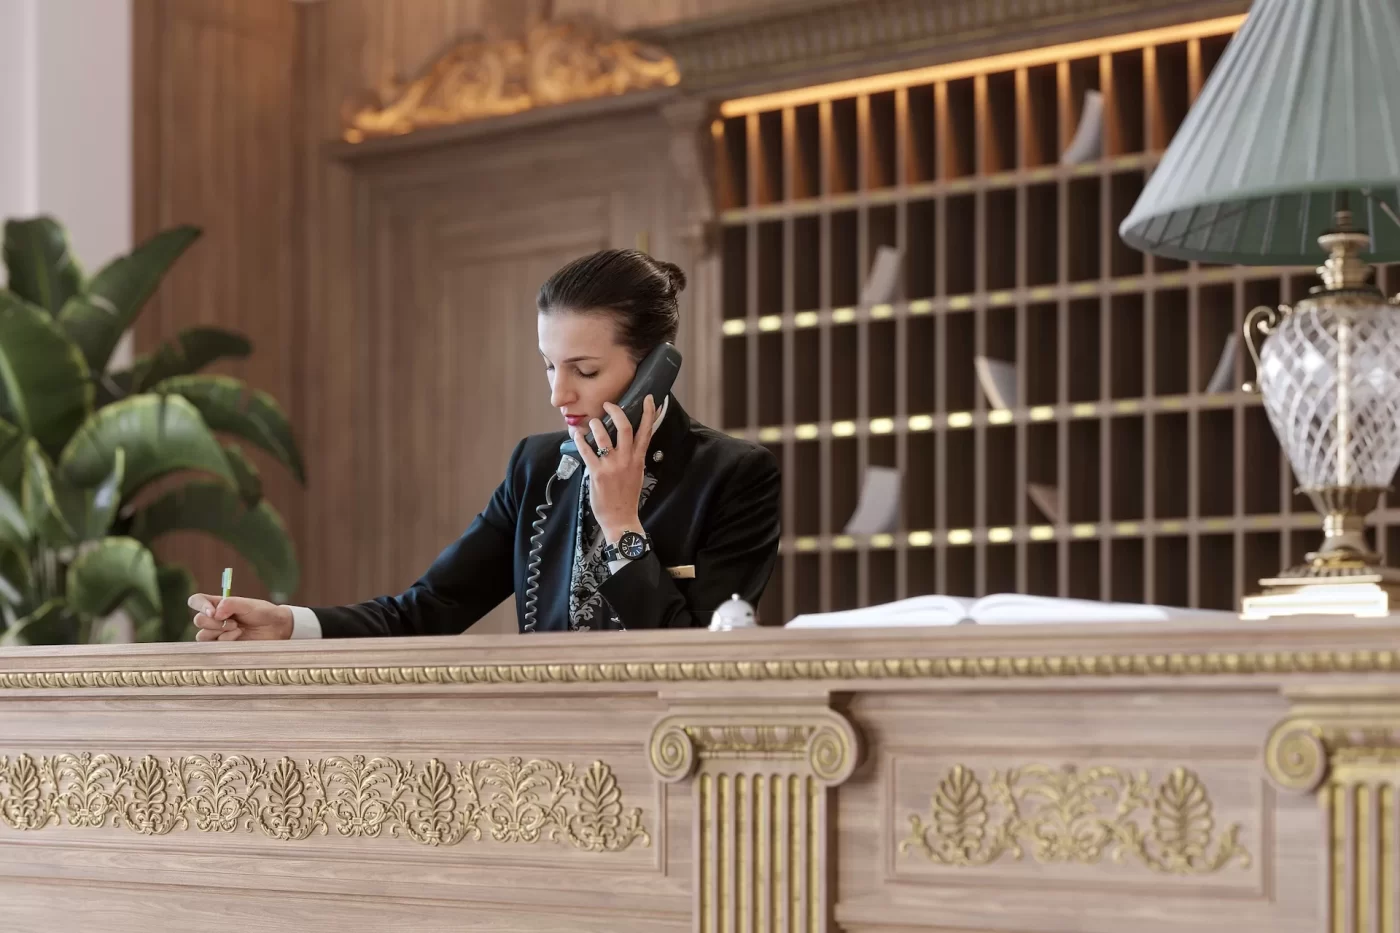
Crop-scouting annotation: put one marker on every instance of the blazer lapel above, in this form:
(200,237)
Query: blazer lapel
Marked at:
(669,447)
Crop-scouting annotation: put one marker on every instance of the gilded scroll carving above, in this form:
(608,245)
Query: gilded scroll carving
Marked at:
(555,63)
(1067,815)
(1303,752)
(824,744)
(511,800)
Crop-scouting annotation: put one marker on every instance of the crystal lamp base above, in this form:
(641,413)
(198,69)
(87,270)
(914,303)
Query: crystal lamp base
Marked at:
(1343,577)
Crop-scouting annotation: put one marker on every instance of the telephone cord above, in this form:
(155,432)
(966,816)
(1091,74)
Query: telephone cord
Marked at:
(532,568)
(566,468)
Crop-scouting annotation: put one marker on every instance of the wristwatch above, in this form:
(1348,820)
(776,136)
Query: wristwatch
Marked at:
(631,546)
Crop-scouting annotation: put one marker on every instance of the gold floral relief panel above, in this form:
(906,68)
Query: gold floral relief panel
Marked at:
(1083,817)
(507,801)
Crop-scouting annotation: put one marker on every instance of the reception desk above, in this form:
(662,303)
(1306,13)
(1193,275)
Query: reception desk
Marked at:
(1075,778)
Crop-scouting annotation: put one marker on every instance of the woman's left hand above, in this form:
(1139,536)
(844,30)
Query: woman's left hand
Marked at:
(615,478)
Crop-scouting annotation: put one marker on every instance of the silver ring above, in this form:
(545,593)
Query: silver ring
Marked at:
(604,451)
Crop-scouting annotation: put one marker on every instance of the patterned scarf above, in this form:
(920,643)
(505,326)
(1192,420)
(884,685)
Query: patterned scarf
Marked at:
(590,568)
(587,608)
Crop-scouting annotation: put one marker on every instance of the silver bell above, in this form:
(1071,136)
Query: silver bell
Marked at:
(732,613)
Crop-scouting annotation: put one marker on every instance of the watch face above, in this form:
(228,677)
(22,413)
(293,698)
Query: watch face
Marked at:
(632,545)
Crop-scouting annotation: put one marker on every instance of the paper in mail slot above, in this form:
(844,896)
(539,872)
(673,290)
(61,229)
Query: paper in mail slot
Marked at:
(682,572)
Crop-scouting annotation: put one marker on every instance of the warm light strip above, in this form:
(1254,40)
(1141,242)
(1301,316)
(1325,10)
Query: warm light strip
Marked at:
(966,69)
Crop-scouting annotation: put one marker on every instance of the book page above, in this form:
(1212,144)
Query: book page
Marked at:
(998,379)
(1223,379)
(917,610)
(1047,499)
(877,510)
(1011,608)
(883,279)
(1087,144)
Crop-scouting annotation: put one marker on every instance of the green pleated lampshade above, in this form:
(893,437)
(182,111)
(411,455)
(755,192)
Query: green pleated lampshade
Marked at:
(1301,116)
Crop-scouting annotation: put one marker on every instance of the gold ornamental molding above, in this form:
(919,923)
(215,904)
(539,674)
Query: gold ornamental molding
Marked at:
(761,785)
(433,802)
(1025,667)
(557,62)
(1075,815)
(812,35)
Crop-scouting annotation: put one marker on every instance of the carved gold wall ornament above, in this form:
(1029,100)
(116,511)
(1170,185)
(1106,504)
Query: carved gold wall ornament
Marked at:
(1038,667)
(514,800)
(557,62)
(1069,815)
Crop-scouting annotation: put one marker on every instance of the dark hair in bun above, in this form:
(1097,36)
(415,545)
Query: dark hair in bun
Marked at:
(639,291)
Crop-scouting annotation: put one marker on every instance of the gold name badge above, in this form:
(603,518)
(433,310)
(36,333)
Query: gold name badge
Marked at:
(682,572)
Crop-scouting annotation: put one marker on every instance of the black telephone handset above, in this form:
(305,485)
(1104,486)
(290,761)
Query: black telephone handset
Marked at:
(655,376)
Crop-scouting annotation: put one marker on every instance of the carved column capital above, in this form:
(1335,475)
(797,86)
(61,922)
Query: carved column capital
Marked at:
(821,744)
(1308,748)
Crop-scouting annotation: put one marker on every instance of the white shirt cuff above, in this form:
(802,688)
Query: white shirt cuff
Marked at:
(615,565)
(304,623)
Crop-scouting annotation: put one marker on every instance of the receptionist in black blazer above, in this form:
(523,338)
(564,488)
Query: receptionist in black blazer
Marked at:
(654,531)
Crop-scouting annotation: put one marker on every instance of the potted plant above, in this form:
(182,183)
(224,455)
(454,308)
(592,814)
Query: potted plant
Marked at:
(96,465)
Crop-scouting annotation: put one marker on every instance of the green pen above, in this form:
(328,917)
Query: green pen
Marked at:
(227,582)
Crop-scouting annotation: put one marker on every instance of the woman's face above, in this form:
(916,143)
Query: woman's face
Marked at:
(585,364)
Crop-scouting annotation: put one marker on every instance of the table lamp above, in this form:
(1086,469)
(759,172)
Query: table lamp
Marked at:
(1291,156)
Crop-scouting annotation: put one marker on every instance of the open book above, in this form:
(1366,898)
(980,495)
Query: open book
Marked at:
(998,609)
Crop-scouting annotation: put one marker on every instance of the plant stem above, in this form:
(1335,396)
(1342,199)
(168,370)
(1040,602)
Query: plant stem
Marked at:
(51,567)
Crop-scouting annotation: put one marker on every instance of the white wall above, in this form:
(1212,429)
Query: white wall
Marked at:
(65,105)
(19,179)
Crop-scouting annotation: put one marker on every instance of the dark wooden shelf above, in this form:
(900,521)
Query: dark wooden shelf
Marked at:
(1168,494)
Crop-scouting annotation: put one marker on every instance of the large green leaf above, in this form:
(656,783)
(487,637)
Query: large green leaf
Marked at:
(228,405)
(160,434)
(14,527)
(112,571)
(172,622)
(97,318)
(16,577)
(42,268)
(43,510)
(45,379)
(90,511)
(191,351)
(246,472)
(53,623)
(258,533)
(11,456)
(65,513)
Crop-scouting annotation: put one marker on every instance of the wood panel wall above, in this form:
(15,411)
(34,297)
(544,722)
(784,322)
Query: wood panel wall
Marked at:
(419,363)
(237,101)
(215,90)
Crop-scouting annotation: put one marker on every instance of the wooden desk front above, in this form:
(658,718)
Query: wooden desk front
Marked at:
(1080,778)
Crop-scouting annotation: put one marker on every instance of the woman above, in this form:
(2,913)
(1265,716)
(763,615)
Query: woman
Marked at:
(696,511)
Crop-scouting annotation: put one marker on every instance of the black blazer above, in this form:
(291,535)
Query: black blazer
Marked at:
(715,506)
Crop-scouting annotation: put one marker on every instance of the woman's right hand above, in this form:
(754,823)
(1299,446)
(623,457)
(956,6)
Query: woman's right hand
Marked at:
(232,618)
